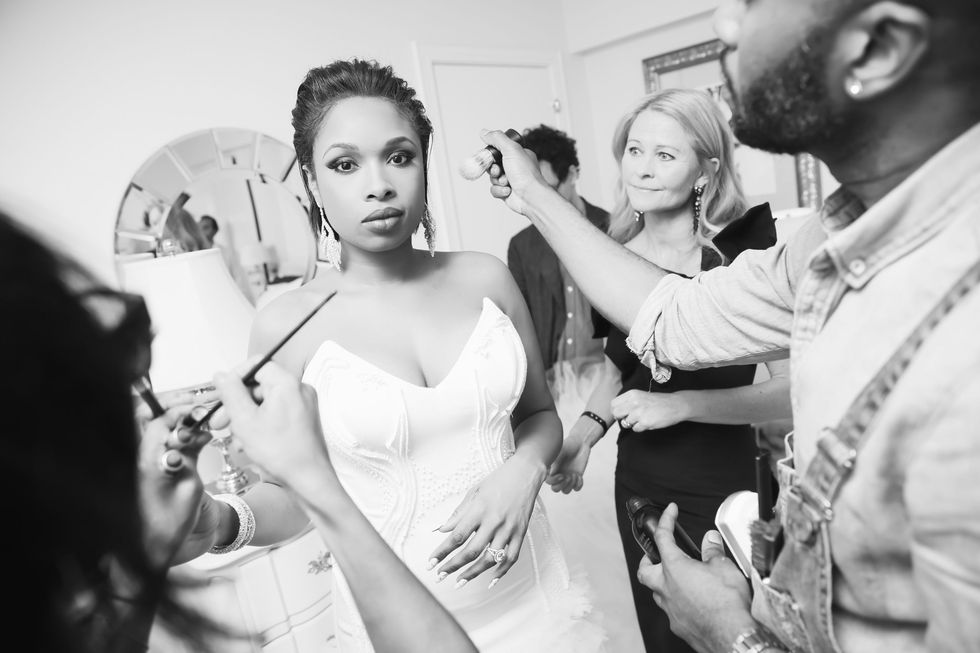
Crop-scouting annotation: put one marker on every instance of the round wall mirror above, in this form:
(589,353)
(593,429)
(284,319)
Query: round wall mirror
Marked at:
(234,190)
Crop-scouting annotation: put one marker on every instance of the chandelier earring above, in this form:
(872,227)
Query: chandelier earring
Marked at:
(429,229)
(329,245)
(698,191)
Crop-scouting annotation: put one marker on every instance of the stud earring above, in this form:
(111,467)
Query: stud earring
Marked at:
(329,246)
(637,216)
(854,86)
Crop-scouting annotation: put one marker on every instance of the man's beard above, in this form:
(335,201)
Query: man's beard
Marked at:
(788,109)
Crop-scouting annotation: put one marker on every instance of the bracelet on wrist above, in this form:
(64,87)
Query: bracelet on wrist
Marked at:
(598,420)
(246,523)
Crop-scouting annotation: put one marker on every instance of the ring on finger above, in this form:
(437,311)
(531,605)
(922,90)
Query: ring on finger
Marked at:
(497,555)
(171,462)
(626,424)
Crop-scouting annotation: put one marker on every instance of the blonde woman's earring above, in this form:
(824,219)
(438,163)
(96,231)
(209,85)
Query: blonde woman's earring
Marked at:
(637,216)
(329,245)
(698,191)
(429,229)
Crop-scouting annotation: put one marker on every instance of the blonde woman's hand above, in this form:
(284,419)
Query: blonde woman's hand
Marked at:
(492,517)
(645,411)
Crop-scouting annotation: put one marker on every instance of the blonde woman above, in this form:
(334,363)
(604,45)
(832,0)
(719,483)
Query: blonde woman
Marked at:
(685,439)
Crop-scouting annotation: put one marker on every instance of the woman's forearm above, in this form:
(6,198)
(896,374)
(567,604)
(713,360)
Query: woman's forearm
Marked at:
(537,439)
(379,581)
(750,404)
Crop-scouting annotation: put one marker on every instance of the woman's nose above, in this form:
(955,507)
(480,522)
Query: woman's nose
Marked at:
(379,186)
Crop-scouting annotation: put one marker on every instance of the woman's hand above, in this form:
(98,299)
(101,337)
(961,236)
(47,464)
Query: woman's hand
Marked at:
(277,423)
(567,472)
(645,411)
(179,522)
(493,514)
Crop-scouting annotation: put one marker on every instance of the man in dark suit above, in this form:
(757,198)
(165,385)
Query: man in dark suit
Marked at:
(560,312)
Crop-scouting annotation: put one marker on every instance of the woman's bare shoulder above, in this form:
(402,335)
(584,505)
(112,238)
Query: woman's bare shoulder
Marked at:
(278,317)
(480,275)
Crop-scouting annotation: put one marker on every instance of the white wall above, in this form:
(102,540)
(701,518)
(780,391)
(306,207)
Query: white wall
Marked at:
(605,80)
(91,89)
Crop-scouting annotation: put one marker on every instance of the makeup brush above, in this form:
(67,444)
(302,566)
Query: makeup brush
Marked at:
(480,162)
(249,378)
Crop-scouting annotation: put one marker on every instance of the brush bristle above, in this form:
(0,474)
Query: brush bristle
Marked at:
(476,165)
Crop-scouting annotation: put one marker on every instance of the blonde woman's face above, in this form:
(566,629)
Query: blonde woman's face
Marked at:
(659,166)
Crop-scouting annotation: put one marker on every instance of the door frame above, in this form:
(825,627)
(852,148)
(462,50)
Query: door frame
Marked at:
(427,57)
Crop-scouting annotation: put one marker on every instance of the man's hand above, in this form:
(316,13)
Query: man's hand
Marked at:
(708,603)
(520,173)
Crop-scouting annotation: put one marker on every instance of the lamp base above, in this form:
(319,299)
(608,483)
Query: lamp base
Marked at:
(233,480)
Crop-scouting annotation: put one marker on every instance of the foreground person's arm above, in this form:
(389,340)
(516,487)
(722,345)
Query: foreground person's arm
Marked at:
(283,435)
(737,314)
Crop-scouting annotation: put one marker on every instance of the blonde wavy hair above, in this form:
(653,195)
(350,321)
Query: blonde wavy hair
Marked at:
(702,120)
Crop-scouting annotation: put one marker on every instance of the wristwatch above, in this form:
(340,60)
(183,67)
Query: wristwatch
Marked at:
(756,640)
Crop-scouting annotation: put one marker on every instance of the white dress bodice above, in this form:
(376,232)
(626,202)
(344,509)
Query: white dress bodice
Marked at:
(408,454)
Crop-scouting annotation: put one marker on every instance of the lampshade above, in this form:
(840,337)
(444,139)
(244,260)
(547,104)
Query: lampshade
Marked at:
(201,320)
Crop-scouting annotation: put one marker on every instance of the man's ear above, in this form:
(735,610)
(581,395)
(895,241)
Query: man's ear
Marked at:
(881,46)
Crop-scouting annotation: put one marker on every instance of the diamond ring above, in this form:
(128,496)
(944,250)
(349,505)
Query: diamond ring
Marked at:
(497,555)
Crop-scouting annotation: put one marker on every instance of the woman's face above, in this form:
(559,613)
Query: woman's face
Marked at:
(659,166)
(369,178)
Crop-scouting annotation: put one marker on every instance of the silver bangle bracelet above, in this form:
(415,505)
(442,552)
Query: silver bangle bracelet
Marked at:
(246,523)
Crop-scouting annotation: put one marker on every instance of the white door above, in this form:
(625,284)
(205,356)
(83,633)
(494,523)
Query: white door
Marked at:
(468,90)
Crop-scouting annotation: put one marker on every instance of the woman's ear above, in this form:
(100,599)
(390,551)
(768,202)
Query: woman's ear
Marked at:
(715,164)
(311,185)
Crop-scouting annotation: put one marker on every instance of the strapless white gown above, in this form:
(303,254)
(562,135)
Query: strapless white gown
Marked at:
(408,454)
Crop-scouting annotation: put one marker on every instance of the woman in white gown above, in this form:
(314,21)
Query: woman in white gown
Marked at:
(432,394)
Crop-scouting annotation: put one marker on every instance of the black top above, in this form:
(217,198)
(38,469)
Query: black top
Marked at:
(722,454)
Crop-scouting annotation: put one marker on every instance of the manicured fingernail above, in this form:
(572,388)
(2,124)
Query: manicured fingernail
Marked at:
(460,583)
(432,563)
(492,583)
(714,537)
(437,529)
(442,576)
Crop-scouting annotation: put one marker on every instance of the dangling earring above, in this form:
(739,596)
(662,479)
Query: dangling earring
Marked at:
(329,245)
(429,229)
(637,216)
(698,190)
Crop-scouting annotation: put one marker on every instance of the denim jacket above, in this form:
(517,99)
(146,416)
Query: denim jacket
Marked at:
(842,294)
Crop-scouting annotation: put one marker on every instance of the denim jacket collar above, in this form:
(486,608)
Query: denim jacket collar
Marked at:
(906,218)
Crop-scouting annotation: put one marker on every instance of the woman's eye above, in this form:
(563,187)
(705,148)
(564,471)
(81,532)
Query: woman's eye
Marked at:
(634,151)
(663,156)
(401,158)
(342,165)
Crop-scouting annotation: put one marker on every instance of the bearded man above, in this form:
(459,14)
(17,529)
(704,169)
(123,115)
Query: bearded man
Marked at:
(878,529)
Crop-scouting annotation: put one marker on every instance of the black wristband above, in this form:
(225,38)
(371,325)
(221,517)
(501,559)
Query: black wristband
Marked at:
(598,420)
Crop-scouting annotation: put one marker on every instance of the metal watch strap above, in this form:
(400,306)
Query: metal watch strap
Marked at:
(756,640)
